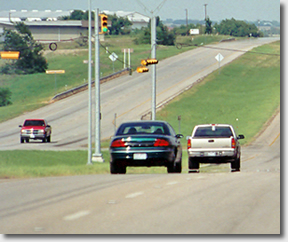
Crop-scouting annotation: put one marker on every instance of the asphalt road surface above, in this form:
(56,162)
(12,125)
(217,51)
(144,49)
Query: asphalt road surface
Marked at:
(129,97)
(246,202)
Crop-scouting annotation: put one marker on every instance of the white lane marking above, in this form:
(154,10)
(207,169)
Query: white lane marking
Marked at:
(111,201)
(172,183)
(76,215)
(136,194)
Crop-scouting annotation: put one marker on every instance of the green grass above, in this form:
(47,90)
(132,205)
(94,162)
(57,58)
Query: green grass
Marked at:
(23,164)
(26,164)
(248,89)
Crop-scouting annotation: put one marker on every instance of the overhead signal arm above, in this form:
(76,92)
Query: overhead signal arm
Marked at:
(144,63)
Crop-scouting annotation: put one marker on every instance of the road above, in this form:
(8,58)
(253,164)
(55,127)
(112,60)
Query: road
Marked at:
(129,97)
(218,202)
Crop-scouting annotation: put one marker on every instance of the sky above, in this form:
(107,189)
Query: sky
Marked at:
(217,10)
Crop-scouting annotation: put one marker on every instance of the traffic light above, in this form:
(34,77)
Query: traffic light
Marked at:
(142,69)
(149,62)
(104,23)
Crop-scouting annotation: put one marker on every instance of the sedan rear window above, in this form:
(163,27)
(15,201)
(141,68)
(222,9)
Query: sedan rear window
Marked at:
(142,128)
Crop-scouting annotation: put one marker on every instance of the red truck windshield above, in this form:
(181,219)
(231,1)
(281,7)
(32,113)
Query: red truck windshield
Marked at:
(34,123)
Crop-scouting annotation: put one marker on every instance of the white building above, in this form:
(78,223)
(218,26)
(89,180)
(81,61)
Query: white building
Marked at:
(138,20)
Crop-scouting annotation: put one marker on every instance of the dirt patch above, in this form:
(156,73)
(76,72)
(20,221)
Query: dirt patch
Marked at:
(64,52)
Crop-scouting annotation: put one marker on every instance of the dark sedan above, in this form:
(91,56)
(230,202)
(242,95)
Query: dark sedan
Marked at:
(145,143)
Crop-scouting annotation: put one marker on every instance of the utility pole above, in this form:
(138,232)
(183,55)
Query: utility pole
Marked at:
(205,5)
(153,55)
(186,16)
(89,87)
(97,156)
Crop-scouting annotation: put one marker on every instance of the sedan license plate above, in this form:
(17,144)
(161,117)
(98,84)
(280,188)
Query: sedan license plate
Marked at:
(140,156)
(211,154)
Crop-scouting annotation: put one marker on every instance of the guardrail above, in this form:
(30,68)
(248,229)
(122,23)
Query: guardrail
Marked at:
(85,86)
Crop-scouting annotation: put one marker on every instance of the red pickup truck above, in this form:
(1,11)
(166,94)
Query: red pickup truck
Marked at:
(35,129)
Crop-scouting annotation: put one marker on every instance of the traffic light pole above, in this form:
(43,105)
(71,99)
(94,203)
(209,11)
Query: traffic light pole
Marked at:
(153,55)
(97,156)
(89,87)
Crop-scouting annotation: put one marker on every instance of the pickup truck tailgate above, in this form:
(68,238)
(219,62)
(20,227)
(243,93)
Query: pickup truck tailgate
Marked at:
(210,143)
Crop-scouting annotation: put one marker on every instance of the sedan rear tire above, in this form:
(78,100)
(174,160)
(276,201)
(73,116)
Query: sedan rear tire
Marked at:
(116,169)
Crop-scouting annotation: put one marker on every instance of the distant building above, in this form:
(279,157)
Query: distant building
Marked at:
(45,26)
(49,31)
(34,15)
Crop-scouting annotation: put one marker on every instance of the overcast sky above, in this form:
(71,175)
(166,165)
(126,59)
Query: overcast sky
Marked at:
(217,10)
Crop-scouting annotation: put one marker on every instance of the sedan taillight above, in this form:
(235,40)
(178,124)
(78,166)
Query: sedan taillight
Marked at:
(118,143)
(161,142)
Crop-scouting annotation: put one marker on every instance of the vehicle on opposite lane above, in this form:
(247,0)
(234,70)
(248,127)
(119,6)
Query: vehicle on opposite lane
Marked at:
(145,143)
(35,129)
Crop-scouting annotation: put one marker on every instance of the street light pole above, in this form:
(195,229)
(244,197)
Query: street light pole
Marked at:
(153,55)
(89,87)
(205,5)
(97,156)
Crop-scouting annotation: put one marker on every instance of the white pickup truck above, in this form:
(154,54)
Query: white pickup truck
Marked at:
(214,143)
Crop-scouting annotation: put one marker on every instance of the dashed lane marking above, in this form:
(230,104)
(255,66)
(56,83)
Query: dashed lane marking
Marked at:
(75,216)
(136,194)
(172,183)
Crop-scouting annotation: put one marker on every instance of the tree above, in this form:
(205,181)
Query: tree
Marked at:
(208,29)
(119,25)
(77,15)
(237,28)
(5,96)
(164,36)
(30,59)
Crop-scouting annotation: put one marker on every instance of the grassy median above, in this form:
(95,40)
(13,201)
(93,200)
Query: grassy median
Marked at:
(245,94)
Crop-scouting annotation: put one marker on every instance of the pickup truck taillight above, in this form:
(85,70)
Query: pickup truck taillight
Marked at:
(189,144)
(233,143)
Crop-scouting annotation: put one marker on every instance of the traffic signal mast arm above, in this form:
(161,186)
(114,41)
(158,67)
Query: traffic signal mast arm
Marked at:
(144,63)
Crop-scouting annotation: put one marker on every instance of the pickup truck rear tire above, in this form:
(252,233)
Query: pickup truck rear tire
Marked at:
(235,165)
(193,164)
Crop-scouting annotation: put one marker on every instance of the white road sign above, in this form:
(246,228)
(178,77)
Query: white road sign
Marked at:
(219,57)
(113,57)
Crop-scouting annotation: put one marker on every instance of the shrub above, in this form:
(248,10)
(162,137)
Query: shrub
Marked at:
(5,96)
